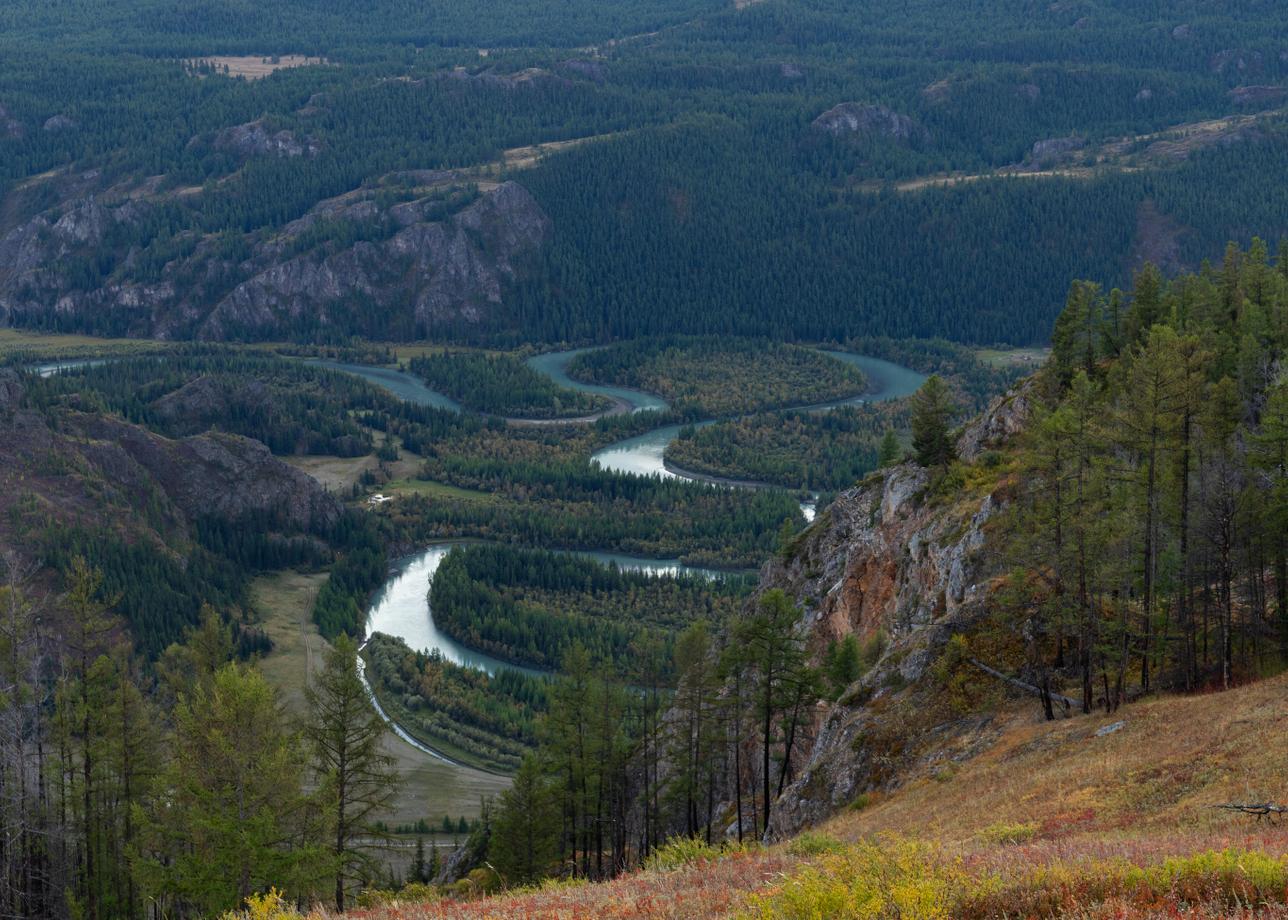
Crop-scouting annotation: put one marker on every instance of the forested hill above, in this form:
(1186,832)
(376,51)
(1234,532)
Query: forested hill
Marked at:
(790,168)
(1033,666)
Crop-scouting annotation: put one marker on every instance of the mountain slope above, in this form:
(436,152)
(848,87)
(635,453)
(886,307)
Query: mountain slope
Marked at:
(1036,822)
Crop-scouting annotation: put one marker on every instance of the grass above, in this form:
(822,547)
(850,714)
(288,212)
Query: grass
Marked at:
(1012,357)
(339,474)
(255,66)
(427,788)
(1037,820)
(436,490)
(46,345)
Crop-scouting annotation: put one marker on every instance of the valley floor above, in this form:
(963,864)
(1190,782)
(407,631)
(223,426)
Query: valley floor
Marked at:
(1099,816)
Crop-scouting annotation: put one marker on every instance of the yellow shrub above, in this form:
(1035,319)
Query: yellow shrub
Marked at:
(811,843)
(267,906)
(1004,833)
(887,880)
(681,851)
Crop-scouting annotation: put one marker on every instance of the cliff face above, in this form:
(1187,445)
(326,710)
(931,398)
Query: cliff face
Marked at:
(890,557)
(356,264)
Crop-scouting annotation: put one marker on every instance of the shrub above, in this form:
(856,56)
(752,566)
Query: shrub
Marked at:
(1003,833)
(267,906)
(418,893)
(861,801)
(891,878)
(811,843)
(682,851)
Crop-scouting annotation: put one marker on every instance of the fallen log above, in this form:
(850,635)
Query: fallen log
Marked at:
(1259,809)
(1064,701)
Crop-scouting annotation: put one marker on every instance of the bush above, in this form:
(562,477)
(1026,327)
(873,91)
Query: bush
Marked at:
(418,893)
(861,801)
(267,906)
(682,851)
(1003,833)
(814,844)
(868,881)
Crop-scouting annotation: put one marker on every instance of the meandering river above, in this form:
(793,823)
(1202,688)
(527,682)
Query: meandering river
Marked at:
(402,607)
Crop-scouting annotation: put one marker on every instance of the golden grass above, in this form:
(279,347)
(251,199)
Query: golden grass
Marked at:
(1173,758)
(40,344)
(1050,820)
(256,66)
(431,489)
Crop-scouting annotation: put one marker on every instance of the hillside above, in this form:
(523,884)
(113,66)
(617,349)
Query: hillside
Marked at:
(1028,808)
(1008,649)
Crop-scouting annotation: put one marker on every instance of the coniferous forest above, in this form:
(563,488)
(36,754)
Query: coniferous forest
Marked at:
(779,458)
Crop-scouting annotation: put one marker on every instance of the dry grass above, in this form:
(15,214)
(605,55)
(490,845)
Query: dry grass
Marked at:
(704,889)
(338,474)
(427,788)
(1173,759)
(1052,820)
(254,66)
(39,344)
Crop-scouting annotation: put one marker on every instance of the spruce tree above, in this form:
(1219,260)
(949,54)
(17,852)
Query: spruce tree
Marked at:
(525,829)
(889,451)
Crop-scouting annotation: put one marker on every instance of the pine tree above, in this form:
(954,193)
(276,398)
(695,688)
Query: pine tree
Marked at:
(357,777)
(889,451)
(843,664)
(774,653)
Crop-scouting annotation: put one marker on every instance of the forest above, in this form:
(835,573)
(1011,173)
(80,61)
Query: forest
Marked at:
(489,721)
(530,606)
(1144,549)
(713,376)
(502,385)
(706,153)
(717,191)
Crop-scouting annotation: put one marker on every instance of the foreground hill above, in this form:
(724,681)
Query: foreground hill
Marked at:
(1105,542)
(1097,817)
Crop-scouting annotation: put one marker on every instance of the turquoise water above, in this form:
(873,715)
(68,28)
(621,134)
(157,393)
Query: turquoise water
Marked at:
(402,607)
(555,366)
(643,454)
(57,367)
(403,385)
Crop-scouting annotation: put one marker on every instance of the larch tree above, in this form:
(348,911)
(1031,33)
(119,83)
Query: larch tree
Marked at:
(357,779)
(233,817)
(932,411)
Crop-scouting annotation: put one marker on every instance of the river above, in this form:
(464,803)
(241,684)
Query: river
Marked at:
(402,607)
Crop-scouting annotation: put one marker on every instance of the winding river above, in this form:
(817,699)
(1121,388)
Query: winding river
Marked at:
(645,454)
(402,607)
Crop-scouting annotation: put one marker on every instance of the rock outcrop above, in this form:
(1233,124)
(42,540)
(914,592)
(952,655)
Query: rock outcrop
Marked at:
(1054,149)
(255,139)
(438,272)
(1257,95)
(869,121)
(415,265)
(59,123)
(889,558)
(10,127)
(222,475)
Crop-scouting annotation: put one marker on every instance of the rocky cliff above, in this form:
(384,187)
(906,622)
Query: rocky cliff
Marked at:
(357,264)
(84,469)
(898,558)
(869,121)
